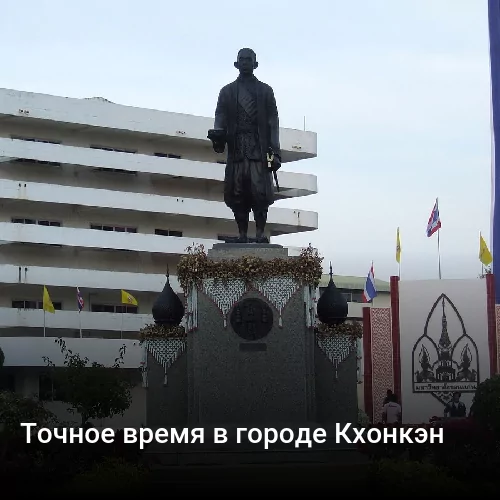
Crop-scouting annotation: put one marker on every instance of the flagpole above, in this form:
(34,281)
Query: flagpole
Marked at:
(80,321)
(482,265)
(439,247)
(371,269)
(121,333)
(398,250)
(439,255)
(44,323)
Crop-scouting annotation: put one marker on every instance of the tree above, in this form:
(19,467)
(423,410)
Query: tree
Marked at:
(93,390)
(486,406)
(16,409)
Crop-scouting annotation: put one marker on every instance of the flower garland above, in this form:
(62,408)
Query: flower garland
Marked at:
(153,331)
(354,330)
(196,266)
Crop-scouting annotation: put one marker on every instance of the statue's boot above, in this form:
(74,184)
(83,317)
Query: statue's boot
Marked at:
(260,224)
(242,221)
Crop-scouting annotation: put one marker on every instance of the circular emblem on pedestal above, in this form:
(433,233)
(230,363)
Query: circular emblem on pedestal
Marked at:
(252,319)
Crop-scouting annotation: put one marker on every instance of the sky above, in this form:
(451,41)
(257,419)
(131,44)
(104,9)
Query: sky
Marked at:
(398,92)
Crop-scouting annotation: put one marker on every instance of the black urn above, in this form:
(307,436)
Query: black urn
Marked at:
(332,308)
(168,309)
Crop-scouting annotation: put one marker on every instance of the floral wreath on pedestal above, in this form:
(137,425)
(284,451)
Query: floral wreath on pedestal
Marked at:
(155,332)
(353,330)
(195,267)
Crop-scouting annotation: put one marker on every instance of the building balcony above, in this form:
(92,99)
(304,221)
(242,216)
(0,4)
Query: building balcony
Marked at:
(30,323)
(80,114)
(93,239)
(291,184)
(23,351)
(89,279)
(280,220)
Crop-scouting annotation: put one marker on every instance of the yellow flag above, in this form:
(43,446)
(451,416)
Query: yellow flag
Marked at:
(484,253)
(128,299)
(47,303)
(398,248)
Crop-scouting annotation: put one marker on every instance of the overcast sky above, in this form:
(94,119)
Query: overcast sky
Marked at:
(397,91)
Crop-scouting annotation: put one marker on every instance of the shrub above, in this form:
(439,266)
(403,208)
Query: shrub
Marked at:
(410,477)
(486,406)
(111,475)
(15,409)
(363,419)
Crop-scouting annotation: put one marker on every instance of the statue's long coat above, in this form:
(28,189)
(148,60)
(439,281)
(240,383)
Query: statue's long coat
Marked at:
(257,187)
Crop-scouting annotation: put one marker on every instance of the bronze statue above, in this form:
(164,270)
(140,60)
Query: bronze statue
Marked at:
(246,119)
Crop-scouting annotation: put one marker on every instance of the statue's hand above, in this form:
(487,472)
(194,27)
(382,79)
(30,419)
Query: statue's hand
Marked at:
(219,147)
(218,138)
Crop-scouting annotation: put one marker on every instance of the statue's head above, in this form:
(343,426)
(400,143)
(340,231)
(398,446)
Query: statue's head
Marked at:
(246,61)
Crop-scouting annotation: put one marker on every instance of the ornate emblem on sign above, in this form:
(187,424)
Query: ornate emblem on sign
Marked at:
(252,319)
(441,366)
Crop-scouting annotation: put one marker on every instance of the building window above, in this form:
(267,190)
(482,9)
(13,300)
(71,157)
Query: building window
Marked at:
(117,229)
(49,389)
(33,304)
(113,309)
(168,232)
(352,295)
(116,150)
(33,139)
(40,162)
(16,220)
(168,155)
(114,170)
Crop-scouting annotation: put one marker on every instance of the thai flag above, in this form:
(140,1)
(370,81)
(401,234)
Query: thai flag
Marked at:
(79,298)
(434,223)
(370,291)
(494,32)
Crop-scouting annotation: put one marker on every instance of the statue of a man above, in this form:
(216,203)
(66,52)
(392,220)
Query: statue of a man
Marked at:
(246,119)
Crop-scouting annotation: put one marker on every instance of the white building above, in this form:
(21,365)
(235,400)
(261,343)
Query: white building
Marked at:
(106,197)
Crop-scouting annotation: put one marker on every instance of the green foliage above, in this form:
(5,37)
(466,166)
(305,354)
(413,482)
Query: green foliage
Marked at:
(111,475)
(16,409)
(486,406)
(93,390)
(363,419)
(410,477)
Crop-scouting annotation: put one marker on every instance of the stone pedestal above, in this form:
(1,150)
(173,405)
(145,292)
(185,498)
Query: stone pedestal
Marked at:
(251,358)
(235,380)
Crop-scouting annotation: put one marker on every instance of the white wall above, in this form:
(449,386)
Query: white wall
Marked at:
(96,239)
(416,300)
(82,278)
(29,351)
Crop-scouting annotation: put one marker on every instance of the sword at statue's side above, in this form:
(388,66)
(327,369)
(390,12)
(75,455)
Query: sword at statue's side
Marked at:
(270,158)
